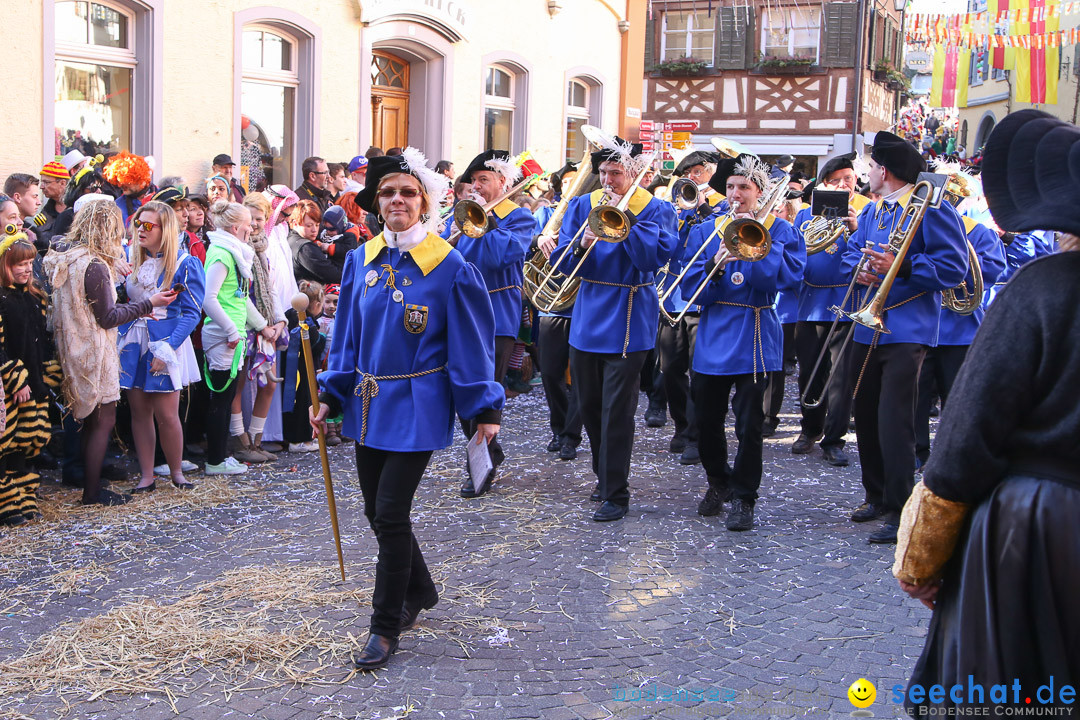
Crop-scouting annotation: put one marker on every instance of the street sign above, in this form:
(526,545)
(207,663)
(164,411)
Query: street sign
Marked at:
(668,166)
(647,146)
(918,60)
(646,126)
(683,126)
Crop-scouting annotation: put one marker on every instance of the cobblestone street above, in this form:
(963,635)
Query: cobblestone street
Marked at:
(225,603)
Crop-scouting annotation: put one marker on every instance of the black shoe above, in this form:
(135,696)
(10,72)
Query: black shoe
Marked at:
(610,511)
(411,610)
(769,428)
(32,515)
(182,485)
(555,444)
(789,368)
(148,489)
(866,512)
(886,534)
(376,652)
(677,444)
(73,478)
(595,497)
(656,417)
(567,451)
(690,456)
(13,520)
(108,497)
(468,491)
(712,503)
(836,456)
(935,411)
(43,461)
(803,445)
(113,473)
(741,515)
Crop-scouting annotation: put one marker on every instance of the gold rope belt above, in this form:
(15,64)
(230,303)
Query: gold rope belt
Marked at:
(368,388)
(759,347)
(508,287)
(874,341)
(629,303)
(807,283)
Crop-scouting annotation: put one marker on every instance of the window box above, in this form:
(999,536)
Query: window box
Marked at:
(787,66)
(680,67)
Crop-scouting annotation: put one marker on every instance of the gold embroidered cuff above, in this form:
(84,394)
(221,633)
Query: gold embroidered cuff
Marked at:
(929,528)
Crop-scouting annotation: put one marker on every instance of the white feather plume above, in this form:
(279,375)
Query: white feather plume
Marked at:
(436,185)
(622,152)
(509,171)
(860,167)
(752,168)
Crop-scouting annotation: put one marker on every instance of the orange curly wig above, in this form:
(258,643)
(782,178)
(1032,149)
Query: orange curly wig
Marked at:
(129,172)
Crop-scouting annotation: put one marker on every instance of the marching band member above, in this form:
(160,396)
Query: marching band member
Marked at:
(499,255)
(888,363)
(675,345)
(615,316)
(413,343)
(956,330)
(738,342)
(823,287)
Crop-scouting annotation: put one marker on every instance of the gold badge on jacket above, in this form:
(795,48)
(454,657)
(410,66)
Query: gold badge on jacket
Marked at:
(416,318)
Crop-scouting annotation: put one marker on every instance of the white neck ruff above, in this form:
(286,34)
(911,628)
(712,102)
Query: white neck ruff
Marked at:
(407,239)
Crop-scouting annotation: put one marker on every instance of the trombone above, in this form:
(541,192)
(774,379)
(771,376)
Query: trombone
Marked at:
(472,217)
(608,222)
(743,238)
(870,315)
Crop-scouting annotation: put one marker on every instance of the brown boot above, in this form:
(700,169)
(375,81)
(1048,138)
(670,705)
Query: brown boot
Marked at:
(333,435)
(241,449)
(257,444)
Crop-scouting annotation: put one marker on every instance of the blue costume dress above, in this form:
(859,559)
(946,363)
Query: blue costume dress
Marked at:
(166,333)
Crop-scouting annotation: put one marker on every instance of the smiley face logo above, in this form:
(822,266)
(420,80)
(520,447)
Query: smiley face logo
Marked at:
(862,693)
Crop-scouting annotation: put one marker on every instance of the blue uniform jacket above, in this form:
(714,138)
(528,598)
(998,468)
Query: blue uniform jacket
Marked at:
(937,259)
(1017,254)
(618,278)
(960,329)
(182,315)
(743,336)
(687,220)
(440,330)
(791,274)
(499,255)
(825,280)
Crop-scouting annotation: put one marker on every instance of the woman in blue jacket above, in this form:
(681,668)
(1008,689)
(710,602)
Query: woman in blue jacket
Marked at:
(156,355)
(414,343)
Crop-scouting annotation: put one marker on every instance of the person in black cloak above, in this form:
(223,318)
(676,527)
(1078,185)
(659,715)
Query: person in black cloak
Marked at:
(988,538)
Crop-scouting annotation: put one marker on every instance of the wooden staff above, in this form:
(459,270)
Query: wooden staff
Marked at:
(300,305)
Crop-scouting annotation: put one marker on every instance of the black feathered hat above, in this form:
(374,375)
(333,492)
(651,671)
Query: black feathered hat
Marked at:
(496,161)
(620,152)
(745,164)
(898,156)
(411,162)
(1031,171)
(698,157)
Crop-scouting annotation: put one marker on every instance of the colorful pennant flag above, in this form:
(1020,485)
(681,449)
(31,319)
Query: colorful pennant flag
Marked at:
(949,85)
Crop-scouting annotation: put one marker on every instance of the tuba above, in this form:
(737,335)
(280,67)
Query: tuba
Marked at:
(541,281)
(961,300)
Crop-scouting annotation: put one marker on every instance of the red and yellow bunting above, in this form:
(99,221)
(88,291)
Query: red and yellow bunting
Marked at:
(949,86)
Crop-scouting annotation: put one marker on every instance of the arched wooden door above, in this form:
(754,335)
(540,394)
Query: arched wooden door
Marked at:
(389,100)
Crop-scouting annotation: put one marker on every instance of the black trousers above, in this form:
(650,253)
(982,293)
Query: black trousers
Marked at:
(939,371)
(885,420)
(675,346)
(607,388)
(217,416)
(388,481)
(830,418)
(504,347)
(711,393)
(553,348)
(774,393)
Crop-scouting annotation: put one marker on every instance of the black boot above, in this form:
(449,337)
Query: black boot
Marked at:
(376,652)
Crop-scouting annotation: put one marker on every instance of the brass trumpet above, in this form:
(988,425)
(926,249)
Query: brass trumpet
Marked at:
(472,217)
(961,300)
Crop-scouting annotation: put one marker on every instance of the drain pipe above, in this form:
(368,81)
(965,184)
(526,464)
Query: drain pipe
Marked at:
(859,70)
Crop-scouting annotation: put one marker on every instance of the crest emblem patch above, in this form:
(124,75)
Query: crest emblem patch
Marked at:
(416,318)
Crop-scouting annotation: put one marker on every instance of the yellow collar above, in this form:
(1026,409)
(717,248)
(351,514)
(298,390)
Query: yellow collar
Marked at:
(431,251)
(902,201)
(638,201)
(969,224)
(715,198)
(504,208)
(859,202)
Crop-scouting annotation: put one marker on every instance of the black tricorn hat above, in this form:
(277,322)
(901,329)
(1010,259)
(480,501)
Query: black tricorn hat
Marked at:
(378,168)
(840,162)
(1031,171)
(898,156)
(698,157)
(607,154)
(725,168)
(480,163)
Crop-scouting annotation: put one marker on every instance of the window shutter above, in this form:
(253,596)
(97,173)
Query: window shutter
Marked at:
(841,34)
(651,29)
(734,38)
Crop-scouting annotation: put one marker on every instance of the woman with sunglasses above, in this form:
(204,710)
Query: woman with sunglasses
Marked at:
(414,344)
(156,355)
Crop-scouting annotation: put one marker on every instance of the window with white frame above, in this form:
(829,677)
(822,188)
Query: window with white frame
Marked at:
(687,34)
(791,33)
(577,114)
(268,106)
(95,66)
(499,108)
